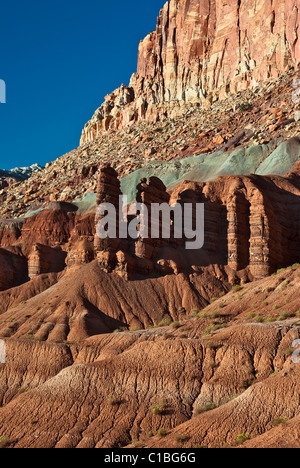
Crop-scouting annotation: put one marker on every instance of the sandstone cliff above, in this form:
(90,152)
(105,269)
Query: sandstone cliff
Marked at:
(200,52)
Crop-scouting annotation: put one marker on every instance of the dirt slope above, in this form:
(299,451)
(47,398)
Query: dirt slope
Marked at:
(113,390)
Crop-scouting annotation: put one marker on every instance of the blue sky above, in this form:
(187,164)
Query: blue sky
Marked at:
(59,59)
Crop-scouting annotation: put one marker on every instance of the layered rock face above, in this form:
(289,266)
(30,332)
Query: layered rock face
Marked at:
(251,224)
(200,52)
(251,228)
(47,242)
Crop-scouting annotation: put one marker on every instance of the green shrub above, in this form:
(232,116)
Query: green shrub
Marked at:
(3,441)
(280,420)
(165,322)
(259,318)
(162,432)
(175,325)
(180,438)
(157,409)
(114,401)
(194,312)
(236,287)
(241,438)
(205,408)
(285,315)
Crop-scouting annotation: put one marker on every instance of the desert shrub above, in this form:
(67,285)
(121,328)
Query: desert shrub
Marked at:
(158,408)
(236,287)
(259,318)
(175,325)
(4,441)
(241,438)
(114,401)
(280,420)
(202,314)
(180,438)
(211,328)
(215,313)
(165,322)
(251,315)
(244,106)
(284,315)
(205,408)
(194,312)
(162,432)
(23,390)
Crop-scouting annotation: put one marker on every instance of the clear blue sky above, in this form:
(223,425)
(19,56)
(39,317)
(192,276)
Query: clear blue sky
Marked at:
(59,59)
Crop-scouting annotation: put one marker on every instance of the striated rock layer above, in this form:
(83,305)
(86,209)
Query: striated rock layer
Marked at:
(200,52)
(251,226)
(251,222)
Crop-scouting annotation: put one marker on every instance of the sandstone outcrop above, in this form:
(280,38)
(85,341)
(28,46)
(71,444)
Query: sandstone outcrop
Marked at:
(44,259)
(13,269)
(200,52)
(251,226)
(251,223)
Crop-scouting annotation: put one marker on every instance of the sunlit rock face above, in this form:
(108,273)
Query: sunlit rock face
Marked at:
(200,52)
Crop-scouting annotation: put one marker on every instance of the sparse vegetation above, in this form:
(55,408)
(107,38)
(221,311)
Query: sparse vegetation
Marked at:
(30,336)
(279,420)
(212,328)
(162,432)
(205,408)
(180,438)
(175,325)
(289,351)
(241,439)
(4,442)
(259,318)
(23,390)
(115,401)
(284,315)
(158,409)
(236,288)
(165,322)
(245,106)
(194,312)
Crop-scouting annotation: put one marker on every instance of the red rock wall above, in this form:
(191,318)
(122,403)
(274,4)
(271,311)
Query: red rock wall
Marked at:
(252,225)
(200,51)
